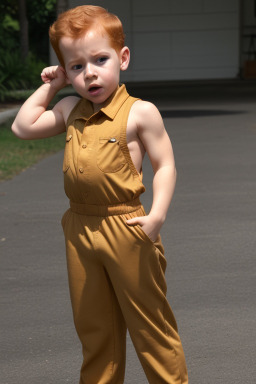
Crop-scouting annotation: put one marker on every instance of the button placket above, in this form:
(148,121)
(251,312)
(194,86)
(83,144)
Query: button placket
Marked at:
(85,144)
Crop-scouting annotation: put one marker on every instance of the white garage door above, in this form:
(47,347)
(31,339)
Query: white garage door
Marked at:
(178,39)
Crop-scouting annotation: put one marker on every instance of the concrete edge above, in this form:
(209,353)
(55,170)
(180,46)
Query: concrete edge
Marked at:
(5,115)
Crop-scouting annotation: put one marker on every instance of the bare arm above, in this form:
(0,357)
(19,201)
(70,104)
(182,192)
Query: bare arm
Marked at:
(157,144)
(33,120)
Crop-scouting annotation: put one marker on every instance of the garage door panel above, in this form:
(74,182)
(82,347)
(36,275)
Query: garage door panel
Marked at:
(221,6)
(145,7)
(152,51)
(185,22)
(186,6)
(208,48)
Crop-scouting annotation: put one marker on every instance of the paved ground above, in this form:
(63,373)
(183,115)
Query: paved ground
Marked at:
(209,239)
(8,113)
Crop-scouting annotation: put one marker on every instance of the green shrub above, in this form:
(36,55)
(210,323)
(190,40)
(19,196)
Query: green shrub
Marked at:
(34,67)
(17,74)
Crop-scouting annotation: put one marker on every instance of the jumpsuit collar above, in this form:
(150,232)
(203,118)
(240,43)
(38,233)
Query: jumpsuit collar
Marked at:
(115,101)
(111,107)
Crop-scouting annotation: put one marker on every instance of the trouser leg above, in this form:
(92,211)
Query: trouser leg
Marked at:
(136,268)
(98,320)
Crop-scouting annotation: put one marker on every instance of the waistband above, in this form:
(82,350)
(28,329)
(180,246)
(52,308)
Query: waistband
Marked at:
(105,210)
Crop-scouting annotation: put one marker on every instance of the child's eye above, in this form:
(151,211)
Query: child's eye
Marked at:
(77,67)
(102,60)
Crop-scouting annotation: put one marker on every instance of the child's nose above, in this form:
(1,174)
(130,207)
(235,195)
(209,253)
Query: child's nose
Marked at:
(90,71)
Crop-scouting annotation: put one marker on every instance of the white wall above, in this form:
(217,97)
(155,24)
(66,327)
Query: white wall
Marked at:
(178,39)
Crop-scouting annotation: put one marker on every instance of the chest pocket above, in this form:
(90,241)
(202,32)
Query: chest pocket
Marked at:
(109,157)
(67,152)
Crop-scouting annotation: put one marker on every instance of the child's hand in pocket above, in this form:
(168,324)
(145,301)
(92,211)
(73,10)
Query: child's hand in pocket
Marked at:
(147,224)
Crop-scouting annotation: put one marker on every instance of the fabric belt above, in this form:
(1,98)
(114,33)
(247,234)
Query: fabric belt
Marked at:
(105,210)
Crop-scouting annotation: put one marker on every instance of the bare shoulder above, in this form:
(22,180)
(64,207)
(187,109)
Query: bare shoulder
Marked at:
(66,105)
(142,108)
(147,116)
(146,129)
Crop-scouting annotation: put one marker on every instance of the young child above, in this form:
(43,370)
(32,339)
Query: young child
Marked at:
(114,252)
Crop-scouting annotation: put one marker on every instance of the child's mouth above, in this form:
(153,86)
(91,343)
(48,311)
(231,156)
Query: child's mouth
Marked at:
(94,90)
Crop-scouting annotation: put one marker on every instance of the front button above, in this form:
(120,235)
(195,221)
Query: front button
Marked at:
(81,170)
(84,146)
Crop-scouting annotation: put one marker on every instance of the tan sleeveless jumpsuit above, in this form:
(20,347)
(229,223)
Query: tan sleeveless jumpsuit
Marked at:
(116,273)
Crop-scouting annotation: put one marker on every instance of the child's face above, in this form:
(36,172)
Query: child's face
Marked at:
(93,66)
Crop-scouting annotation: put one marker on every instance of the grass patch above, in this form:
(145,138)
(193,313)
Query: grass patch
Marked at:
(17,155)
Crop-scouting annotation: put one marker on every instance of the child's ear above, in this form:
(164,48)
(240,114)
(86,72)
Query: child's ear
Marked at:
(124,58)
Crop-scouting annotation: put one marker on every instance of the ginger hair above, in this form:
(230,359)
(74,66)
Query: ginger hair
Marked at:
(77,21)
